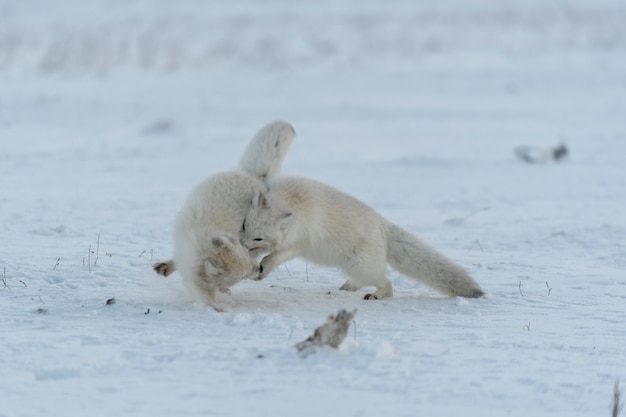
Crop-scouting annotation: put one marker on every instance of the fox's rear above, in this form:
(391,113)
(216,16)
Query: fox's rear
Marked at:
(414,258)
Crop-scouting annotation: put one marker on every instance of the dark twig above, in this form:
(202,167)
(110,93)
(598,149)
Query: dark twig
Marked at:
(97,251)
(4,280)
(617,404)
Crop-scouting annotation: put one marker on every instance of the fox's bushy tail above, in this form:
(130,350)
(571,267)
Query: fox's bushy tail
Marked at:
(410,256)
(264,155)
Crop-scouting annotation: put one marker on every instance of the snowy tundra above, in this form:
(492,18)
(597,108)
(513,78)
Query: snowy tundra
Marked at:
(111,111)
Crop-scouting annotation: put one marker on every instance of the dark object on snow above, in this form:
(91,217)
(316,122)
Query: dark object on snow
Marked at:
(617,403)
(161,127)
(110,301)
(534,155)
(331,333)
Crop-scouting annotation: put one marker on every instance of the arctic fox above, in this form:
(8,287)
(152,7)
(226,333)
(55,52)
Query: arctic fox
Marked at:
(303,217)
(207,250)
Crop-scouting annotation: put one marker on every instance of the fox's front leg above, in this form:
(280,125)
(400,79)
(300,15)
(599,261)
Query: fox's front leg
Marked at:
(273,260)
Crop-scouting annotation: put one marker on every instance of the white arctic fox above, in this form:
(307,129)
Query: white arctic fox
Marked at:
(207,251)
(303,217)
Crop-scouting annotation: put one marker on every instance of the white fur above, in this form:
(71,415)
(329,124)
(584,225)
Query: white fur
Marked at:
(263,158)
(207,251)
(303,217)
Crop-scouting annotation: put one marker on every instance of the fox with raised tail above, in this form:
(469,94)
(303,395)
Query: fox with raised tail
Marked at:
(207,250)
(301,217)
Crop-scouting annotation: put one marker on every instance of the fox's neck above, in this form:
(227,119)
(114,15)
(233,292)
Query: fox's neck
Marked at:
(294,201)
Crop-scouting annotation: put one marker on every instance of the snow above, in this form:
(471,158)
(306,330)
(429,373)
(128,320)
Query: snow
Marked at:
(110,113)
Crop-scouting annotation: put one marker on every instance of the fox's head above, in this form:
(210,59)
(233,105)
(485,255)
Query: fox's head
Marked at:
(224,262)
(265,224)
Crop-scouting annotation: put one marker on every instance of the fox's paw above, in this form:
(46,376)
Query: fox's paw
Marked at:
(164,268)
(382,292)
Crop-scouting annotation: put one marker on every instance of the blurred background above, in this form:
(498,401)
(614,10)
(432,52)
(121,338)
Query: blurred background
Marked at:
(104,37)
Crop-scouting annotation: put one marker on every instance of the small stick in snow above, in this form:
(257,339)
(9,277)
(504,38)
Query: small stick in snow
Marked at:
(520,288)
(56,264)
(40,300)
(143,252)
(617,404)
(97,251)
(331,333)
(549,289)
(4,280)
(477,243)
(457,221)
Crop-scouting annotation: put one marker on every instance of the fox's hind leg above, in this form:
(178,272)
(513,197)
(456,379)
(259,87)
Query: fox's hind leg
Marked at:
(383,289)
(368,273)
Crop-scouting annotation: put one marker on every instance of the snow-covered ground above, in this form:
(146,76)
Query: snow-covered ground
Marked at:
(111,111)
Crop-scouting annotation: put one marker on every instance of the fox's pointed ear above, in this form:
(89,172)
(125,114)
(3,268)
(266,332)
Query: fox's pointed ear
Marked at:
(259,200)
(285,221)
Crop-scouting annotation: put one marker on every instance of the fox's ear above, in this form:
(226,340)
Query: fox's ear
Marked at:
(284,221)
(259,201)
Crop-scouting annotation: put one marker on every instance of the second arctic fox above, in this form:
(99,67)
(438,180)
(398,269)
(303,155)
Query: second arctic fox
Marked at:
(303,217)
(207,251)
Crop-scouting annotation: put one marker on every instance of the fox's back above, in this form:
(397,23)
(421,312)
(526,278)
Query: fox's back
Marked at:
(331,220)
(315,197)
